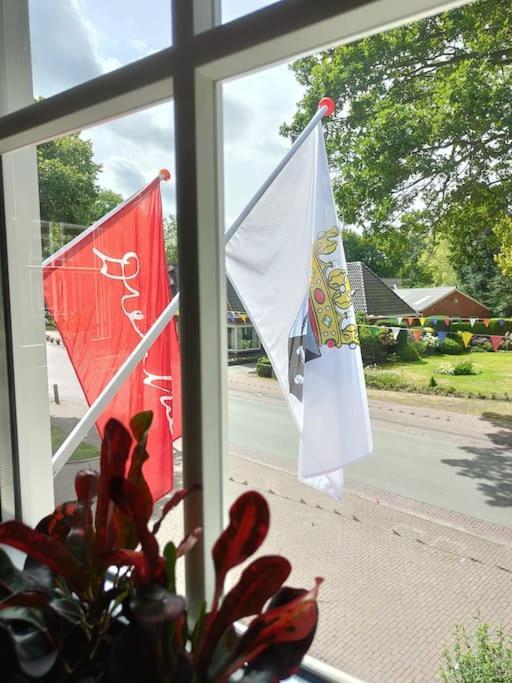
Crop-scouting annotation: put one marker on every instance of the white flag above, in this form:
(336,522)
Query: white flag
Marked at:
(287,264)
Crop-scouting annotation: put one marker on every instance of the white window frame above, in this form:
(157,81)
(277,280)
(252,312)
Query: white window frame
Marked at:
(204,54)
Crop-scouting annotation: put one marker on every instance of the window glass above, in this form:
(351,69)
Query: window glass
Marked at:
(82,178)
(409,552)
(72,42)
(233,9)
(247,338)
(231,339)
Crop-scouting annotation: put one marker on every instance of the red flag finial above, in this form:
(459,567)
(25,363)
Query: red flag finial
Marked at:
(164,174)
(329,103)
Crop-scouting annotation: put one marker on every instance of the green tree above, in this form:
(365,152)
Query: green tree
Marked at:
(359,247)
(423,131)
(69,194)
(171,239)
(503,232)
(68,182)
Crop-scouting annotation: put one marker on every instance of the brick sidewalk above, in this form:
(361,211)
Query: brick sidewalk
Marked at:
(395,583)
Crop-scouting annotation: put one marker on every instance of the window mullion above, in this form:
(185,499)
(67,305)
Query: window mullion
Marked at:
(26,347)
(202,304)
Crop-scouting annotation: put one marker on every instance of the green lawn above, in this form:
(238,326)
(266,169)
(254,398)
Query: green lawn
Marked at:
(85,451)
(494,372)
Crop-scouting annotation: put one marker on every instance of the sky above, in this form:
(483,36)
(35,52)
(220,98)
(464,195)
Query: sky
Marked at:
(75,40)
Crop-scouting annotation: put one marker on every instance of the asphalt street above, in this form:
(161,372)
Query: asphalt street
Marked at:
(441,465)
(453,471)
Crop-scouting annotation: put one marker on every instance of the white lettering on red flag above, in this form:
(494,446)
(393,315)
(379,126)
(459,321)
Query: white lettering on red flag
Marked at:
(105,292)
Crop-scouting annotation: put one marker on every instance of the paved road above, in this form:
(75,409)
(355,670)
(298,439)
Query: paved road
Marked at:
(450,469)
(440,468)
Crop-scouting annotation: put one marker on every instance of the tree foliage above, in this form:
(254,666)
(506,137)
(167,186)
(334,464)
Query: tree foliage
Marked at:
(171,239)
(68,182)
(422,136)
(70,197)
(358,247)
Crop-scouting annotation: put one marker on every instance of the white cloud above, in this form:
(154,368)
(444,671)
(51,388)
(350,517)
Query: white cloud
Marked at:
(134,148)
(255,107)
(74,40)
(64,47)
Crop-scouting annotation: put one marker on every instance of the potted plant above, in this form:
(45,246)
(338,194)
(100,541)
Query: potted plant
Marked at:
(97,601)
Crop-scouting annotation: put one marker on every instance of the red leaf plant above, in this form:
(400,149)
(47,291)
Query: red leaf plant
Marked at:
(97,598)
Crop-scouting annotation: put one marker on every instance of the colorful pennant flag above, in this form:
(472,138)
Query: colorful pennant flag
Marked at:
(302,309)
(231,317)
(473,321)
(447,322)
(442,336)
(486,321)
(434,321)
(410,321)
(422,321)
(105,290)
(495,341)
(395,332)
(501,322)
(417,334)
(467,337)
(400,320)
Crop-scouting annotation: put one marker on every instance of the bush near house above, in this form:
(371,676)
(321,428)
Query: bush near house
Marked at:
(264,367)
(374,347)
(506,344)
(481,344)
(410,352)
(452,346)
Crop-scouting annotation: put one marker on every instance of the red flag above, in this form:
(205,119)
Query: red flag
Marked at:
(104,291)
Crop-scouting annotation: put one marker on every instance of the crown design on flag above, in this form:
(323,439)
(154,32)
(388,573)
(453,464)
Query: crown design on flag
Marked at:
(330,295)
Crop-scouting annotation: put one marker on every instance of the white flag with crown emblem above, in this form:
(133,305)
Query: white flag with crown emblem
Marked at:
(287,264)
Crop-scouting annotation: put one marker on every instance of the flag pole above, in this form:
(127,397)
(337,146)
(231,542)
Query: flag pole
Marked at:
(325,108)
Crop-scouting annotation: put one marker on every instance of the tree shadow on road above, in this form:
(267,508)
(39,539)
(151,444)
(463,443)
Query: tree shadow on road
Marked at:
(491,465)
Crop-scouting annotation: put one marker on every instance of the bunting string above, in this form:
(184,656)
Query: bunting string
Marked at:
(495,339)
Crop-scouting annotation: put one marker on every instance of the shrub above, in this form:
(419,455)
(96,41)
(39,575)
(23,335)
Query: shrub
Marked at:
(479,657)
(452,347)
(465,367)
(384,379)
(506,342)
(480,344)
(431,343)
(264,367)
(432,382)
(462,367)
(409,352)
(373,351)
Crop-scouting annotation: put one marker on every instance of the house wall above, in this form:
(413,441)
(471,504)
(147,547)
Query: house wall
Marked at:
(457,304)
